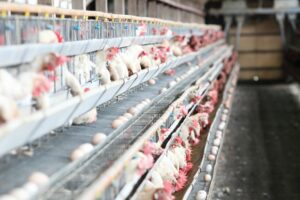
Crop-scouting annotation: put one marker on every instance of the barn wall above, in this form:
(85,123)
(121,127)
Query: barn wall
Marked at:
(260,52)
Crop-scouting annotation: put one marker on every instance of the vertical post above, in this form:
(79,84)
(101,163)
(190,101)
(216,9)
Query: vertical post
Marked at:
(240,22)
(101,5)
(152,9)
(79,4)
(159,10)
(119,6)
(280,18)
(228,21)
(132,7)
(45,2)
(142,8)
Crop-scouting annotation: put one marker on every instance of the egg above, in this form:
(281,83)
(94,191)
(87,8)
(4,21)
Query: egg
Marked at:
(207,177)
(128,115)
(140,106)
(123,119)
(20,193)
(172,83)
(219,134)
(217,142)
(116,123)
(86,148)
(163,90)
(148,100)
(7,197)
(151,82)
(178,79)
(76,154)
(132,110)
(201,195)
(208,168)
(38,178)
(225,111)
(224,117)
(145,103)
(98,138)
(214,150)
(31,188)
(222,126)
(211,157)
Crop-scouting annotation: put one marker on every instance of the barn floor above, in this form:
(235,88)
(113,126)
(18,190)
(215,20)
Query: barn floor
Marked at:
(260,158)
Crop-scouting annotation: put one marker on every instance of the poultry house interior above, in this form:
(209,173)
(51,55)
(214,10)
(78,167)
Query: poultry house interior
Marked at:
(149,99)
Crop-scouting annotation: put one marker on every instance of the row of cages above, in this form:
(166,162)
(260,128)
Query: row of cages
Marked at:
(15,30)
(119,186)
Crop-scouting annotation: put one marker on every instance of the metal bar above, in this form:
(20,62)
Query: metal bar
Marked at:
(259,11)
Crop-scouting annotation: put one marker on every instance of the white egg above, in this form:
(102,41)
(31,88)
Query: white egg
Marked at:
(116,123)
(86,148)
(123,119)
(148,100)
(219,134)
(172,83)
(207,177)
(217,142)
(201,195)
(178,79)
(132,110)
(163,90)
(76,154)
(225,111)
(145,103)
(140,106)
(222,126)
(214,150)
(128,115)
(208,168)
(211,157)
(98,138)
(7,197)
(151,82)
(20,194)
(31,188)
(224,117)
(39,178)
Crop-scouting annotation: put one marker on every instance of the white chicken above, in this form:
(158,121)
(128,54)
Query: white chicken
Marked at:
(170,154)
(101,67)
(116,66)
(156,179)
(131,58)
(8,110)
(28,85)
(83,67)
(47,36)
(180,152)
(167,170)
(72,82)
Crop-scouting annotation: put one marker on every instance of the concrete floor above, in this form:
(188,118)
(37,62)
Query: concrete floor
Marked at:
(260,158)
